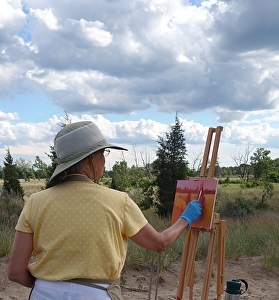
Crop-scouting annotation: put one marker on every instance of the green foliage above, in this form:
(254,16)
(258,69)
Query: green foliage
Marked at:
(238,208)
(6,240)
(148,190)
(260,162)
(40,168)
(10,208)
(254,236)
(24,169)
(268,190)
(120,179)
(11,184)
(251,184)
(169,166)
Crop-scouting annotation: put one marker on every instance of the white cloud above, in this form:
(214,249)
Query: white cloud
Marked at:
(26,140)
(117,58)
(95,33)
(156,51)
(47,17)
(8,116)
(11,15)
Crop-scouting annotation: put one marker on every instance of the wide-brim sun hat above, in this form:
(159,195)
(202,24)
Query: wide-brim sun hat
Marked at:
(75,142)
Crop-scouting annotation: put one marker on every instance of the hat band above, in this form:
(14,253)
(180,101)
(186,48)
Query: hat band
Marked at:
(96,147)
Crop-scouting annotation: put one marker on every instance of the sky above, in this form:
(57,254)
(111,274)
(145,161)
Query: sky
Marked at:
(130,66)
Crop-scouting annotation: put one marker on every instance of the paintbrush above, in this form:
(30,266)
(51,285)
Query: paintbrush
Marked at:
(200,193)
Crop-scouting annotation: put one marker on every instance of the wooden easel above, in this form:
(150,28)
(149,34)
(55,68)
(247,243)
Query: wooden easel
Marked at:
(191,242)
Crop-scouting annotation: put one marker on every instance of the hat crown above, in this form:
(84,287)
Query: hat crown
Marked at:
(77,141)
(77,137)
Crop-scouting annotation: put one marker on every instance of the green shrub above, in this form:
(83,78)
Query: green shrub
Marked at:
(6,240)
(10,208)
(238,208)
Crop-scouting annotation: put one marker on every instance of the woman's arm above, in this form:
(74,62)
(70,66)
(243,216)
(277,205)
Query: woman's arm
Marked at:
(20,256)
(149,238)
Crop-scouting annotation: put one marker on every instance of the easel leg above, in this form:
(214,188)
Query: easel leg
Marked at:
(209,263)
(221,258)
(188,260)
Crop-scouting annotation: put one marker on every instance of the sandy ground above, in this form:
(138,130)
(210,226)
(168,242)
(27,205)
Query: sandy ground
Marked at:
(263,284)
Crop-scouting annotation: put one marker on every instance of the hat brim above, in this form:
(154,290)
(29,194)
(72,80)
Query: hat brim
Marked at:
(64,166)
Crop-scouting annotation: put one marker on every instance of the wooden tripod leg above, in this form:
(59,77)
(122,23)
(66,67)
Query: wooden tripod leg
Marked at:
(213,161)
(188,260)
(192,283)
(181,281)
(190,269)
(209,262)
(206,152)
(221,258)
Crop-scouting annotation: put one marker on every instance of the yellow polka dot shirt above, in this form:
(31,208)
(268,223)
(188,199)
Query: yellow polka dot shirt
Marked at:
(80,229)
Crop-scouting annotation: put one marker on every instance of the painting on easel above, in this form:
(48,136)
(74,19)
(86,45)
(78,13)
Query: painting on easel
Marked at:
(202,189)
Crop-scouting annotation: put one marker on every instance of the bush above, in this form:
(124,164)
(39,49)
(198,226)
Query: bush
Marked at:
(10,208)
(238,208)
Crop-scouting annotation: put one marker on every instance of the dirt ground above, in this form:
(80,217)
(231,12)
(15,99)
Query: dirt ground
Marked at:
(263,284)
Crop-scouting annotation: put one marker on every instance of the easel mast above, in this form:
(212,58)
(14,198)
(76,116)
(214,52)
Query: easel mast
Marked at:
(191,242)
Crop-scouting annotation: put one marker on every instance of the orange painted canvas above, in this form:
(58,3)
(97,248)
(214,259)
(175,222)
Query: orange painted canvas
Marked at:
(203,189)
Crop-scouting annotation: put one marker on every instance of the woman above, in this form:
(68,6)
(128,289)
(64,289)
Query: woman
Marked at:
(78,230)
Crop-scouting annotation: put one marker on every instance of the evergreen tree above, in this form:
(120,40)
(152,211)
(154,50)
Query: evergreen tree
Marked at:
(11,185)
(170,166)
(120,180)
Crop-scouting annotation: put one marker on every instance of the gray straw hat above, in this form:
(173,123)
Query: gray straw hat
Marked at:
(75,142)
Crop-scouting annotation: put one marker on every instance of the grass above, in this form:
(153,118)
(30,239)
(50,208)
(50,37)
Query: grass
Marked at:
(138,258)
(255,235)
(6,240)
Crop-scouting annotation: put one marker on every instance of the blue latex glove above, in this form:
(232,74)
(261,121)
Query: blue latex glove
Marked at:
(192,212)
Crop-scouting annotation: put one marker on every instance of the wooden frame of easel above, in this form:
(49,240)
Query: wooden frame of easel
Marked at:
(191,242)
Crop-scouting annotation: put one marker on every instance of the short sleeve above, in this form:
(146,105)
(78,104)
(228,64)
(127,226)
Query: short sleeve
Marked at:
(23,221)
(134,218)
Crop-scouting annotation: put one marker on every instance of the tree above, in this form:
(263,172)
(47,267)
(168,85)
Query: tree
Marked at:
(196,164)
(242,162)
(40,168)
(24,168)
(11,185)
(1,172)
(120,180)
(260,162)
(169,166)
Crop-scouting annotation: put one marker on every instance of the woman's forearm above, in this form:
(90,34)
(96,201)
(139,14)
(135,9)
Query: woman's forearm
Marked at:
(151,239)
(24,278)
(19,259)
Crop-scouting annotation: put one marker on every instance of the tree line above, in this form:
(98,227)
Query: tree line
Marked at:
(153,184)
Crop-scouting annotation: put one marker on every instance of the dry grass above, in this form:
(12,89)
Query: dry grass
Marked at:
(29,187)
(251,236)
